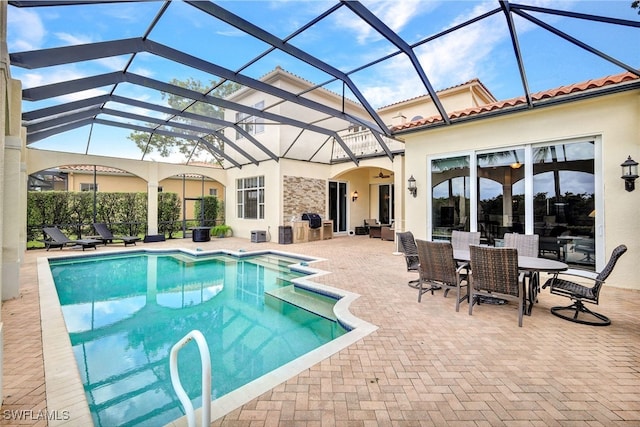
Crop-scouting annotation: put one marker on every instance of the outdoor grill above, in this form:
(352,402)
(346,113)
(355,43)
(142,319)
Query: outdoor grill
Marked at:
(314,219)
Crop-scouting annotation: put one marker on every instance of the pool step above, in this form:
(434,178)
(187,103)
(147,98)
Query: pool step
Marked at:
(307,300)
(184,259)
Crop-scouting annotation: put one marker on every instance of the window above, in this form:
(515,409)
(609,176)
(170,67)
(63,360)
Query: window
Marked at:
(250,197)
(213,192)
(84,186)
(251,124)
(450,196)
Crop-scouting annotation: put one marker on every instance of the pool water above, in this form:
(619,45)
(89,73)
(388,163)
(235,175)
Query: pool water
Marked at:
(125,312)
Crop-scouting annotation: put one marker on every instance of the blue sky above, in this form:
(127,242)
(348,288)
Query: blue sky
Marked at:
(482,50)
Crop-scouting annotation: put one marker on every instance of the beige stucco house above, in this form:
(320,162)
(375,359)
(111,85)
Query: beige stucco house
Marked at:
(489,171)
(270,194)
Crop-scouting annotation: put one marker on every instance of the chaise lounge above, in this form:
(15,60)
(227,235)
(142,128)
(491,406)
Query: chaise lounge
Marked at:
(54,238)
(106,236)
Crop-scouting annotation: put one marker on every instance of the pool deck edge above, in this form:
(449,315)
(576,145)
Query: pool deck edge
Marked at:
(66,400)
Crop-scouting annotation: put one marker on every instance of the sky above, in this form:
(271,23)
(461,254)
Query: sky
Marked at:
(482,50)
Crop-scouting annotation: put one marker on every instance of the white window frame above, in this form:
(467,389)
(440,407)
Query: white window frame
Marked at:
(251,124)
(245,189)
(88,186)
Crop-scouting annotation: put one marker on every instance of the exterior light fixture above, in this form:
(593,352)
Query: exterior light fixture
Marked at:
(411,186)
(629,173)
(354,196)
(516,164)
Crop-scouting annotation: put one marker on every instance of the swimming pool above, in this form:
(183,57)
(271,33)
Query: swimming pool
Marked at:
(126,384)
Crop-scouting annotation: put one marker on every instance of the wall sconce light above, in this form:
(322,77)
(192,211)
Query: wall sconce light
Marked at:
(354,196)
(411,186)
(629,173)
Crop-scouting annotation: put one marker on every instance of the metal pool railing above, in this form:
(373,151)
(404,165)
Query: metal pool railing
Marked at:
(206,378)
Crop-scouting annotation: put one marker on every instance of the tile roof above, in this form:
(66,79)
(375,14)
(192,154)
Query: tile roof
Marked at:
(514,102)
(473,81)
(110,170)
(89,168)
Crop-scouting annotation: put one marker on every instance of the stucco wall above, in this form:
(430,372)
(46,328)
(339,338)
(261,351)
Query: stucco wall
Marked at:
(613,120)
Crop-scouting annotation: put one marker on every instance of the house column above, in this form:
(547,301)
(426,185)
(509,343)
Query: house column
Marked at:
(152,200)
(152,208)
(13,184)
(13,216)
(399,193)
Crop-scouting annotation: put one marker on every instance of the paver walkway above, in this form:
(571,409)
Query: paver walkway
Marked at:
(426,365)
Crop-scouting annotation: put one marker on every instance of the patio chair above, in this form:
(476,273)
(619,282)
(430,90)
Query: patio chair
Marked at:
(370,221)
(54,238)
(107,236)
(494,273)
(462,239)
(580,293)
(439,269)
(527,245)
(407,245)
(388,233)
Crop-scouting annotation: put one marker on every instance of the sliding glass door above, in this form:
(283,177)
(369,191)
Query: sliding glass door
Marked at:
(450,196)
(564,201)
(338,206)
(501,200)
(546,189)
(385,203)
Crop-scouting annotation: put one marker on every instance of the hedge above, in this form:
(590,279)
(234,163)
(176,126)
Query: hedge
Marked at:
(125,213)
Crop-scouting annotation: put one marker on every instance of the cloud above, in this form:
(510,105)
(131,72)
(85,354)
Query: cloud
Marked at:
(24,29)
(388,11)
(71,39)
(450,60)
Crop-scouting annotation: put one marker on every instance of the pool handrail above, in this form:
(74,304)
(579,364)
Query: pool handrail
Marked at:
(206,377)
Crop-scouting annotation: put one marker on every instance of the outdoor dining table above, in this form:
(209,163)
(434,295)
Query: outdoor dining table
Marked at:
(525,263)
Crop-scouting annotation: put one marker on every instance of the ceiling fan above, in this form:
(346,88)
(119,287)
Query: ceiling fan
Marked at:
(381,175)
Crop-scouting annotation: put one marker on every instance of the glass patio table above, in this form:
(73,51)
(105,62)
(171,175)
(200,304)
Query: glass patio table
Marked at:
(529,264)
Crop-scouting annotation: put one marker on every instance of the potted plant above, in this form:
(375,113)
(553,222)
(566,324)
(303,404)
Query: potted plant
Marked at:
(222,230)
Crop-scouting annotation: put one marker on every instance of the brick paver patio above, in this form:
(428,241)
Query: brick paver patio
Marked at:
(425,365)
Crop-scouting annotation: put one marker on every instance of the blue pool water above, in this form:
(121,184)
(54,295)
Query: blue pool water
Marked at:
(125,312)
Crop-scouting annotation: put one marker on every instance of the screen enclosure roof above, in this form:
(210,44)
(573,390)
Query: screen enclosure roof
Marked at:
(164,80)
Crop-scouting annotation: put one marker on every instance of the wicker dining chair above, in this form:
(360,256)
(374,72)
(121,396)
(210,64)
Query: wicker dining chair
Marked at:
(526,244)
(462,239)
(407,245)
(439,270)
(494,273)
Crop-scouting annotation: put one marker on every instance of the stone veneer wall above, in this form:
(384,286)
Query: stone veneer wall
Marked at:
(300,195)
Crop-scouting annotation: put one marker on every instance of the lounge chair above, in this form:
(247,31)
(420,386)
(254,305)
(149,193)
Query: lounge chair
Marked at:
(106,236)
(54,238)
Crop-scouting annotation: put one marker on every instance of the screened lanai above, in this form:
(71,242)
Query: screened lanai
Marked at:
(165,80)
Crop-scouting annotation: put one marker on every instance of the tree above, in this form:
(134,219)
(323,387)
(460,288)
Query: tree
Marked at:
(165,145)
(636,5)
